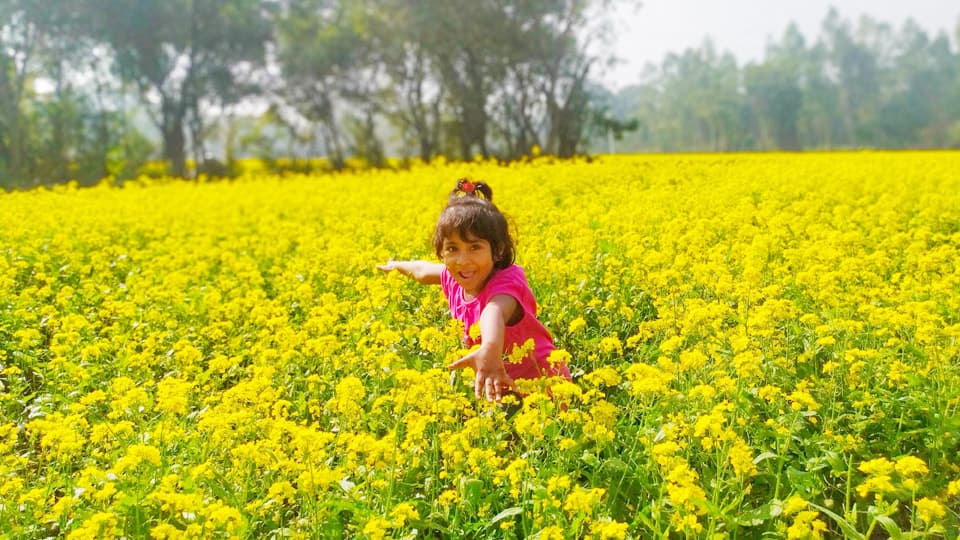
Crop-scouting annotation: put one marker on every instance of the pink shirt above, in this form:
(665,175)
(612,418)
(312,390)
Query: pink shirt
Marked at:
(512,282)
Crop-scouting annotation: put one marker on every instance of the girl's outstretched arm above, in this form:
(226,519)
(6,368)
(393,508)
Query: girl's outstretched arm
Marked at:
(492,380)
(424,272)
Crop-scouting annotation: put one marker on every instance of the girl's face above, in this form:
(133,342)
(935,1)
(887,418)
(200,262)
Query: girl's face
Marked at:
(469,260)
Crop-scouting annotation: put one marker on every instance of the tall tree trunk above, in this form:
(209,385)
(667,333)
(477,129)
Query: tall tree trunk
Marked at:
(60,169)
(174,143)
(13,88)
(103,128)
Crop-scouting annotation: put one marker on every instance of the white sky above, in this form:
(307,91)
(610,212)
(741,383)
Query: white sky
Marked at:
(646,34)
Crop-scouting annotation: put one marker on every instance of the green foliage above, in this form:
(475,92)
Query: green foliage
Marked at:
(81,81)
(854,87)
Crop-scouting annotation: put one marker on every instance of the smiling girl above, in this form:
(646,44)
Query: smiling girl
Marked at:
(483,286)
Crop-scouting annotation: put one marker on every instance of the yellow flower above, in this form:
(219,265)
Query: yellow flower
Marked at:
(135,455)
(553,532)
(878,485)
(576,325)
(877,466)
(166,531)
(348,398)
(402,513)
(98,526)
(582,501)
(806,526)
(559,356)
(686,523)
(605,529)
(282,492)
(953,488)
(558,484)
(433,340)
(173,395)
(223,516)
(741,459)
(646,379)
(911,466)
(376,528)
(802,400)
(691,360)
(930,510)
(683,490)
(448,498)
(611,345)
(603,376)
(794,504)
(747,364)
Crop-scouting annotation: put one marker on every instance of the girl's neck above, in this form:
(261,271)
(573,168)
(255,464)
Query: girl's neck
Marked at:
(470,297)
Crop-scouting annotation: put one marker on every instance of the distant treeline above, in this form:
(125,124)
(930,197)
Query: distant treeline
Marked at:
(857,85)
(97,88)
(454,77)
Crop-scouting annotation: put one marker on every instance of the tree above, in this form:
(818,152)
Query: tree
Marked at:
(773,89)
(857,77)
(414,95)
(325,58)
(180,53)
(19,41)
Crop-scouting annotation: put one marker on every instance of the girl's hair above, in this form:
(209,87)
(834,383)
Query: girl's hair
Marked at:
(470,212)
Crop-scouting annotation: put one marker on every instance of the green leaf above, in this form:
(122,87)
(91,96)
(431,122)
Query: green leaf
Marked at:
(473,489)
(849,530)
(891,527)
(764,456)
(757,516)
(615,464)
(805,480)
(509,512)
(590,459)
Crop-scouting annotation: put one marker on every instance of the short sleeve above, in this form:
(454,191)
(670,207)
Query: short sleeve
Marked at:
(512,281)
(446,282)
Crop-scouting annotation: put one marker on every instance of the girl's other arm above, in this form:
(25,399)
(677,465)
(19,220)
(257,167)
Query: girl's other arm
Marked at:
(424,272)
(487,361)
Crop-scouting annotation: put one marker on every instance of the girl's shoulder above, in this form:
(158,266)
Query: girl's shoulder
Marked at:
(510,280)
(513,272)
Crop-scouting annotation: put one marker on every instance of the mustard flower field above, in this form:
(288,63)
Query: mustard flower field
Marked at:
(763,346)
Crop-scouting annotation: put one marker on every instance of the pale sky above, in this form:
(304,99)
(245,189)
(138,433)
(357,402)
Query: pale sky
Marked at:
(743,27)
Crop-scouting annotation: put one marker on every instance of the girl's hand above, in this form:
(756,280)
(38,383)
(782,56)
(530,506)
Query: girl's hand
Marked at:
(492,380)
(390,266)
(424,272)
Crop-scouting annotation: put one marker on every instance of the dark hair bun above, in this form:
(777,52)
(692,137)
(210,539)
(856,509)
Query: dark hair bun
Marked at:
(467,188)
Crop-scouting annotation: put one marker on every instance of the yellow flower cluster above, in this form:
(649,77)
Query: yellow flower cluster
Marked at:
(762,345)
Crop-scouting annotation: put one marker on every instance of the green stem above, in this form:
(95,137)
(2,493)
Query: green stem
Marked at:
(849,486)
(780,463)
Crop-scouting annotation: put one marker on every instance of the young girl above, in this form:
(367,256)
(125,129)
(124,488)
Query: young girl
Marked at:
(483,285)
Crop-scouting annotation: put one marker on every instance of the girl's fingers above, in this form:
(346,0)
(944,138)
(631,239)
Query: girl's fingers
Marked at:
(493,390)
(482,388)
(466,361)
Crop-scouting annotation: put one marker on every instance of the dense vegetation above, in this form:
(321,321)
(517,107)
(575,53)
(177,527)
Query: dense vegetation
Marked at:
(763,346)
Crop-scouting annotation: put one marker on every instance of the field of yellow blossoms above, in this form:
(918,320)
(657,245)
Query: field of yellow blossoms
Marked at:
(763,346)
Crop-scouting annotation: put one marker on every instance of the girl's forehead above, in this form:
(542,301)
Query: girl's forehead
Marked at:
(468,236)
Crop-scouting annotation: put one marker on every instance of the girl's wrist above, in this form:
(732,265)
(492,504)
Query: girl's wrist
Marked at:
(490,356)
